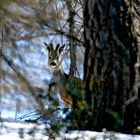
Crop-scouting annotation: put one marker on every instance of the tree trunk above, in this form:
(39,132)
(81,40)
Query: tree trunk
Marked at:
(72,43)
(109,66)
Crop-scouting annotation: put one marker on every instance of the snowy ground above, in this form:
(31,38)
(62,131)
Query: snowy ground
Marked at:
(21,130)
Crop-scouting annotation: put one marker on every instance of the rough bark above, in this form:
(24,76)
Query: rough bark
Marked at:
(109,69)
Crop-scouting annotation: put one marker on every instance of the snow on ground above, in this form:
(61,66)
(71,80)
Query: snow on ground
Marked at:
(21,130)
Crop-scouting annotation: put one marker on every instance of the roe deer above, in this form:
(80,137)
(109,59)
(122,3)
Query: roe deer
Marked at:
(59,76)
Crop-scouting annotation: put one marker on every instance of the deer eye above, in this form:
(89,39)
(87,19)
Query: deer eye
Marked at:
(49,57)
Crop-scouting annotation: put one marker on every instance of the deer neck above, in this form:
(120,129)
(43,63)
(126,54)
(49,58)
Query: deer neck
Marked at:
(59,75)
(61,81)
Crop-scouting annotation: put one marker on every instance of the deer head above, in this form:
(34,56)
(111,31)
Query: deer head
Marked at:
(54,61)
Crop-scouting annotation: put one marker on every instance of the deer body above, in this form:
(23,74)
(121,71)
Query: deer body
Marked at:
(59,76)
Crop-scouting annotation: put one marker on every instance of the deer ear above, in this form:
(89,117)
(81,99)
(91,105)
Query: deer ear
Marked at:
(61,48)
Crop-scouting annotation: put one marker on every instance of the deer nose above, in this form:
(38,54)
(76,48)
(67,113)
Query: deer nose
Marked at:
(53,64)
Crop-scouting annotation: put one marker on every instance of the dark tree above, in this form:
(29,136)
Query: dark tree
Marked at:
(109,72)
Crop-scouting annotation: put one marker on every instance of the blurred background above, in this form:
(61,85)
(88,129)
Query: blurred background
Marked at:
(24,74)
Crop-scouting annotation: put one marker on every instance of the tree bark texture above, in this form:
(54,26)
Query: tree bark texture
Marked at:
(109,69)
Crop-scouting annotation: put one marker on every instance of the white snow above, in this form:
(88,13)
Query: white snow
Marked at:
(20,131)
